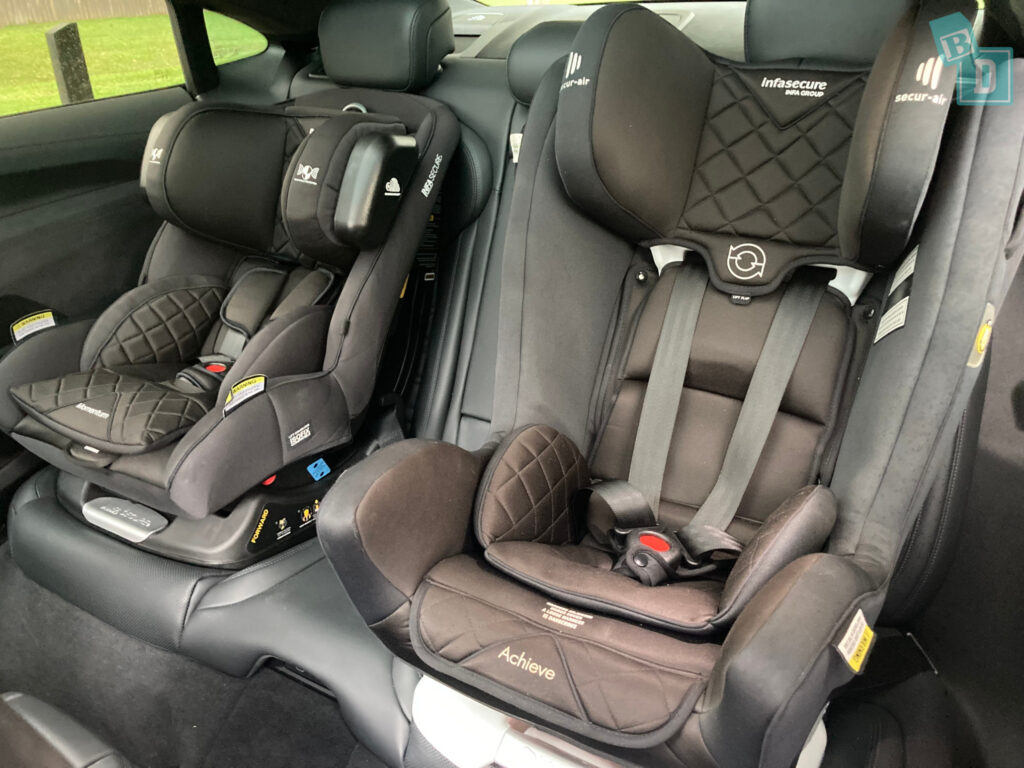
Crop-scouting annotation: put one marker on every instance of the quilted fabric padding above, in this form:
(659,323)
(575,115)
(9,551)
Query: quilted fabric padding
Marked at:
(169,327)
(529,487)
(587,673)
(583,576)
(756,179)
(113,411)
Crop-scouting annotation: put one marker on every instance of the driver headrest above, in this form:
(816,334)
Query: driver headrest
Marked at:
(760,169)
(216,170)
(396,45)
(534,52)
(818,32)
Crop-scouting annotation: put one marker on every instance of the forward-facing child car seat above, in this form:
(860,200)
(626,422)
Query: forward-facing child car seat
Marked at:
(741,410)
(229,361)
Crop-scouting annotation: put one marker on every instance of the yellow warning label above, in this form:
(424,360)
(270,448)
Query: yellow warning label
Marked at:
(244,390)
(983,337)
(856,642)
(28,325)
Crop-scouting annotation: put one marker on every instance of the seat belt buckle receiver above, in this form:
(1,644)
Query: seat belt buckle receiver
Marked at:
(650,555)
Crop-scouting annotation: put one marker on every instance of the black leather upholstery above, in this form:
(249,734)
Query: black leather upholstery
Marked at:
(391,44)
(533,53)
(230,621)
(35,735)
(811,32)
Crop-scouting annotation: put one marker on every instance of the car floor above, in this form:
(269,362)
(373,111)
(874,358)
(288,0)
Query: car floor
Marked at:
(159,708)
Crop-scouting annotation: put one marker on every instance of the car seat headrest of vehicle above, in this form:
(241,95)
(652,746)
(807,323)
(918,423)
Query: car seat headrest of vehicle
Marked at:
(815,33)
(759,169)
(216,171)
(534,52)
(345,184)
(396,45)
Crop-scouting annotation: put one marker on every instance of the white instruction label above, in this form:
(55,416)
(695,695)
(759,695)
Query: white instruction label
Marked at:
(906,270)
(515,142)
(856,642)
(894,319)
(897,300)
(564,617)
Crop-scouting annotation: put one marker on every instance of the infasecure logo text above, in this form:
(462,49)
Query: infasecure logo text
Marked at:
(526,664)
(429,184)
(814,88)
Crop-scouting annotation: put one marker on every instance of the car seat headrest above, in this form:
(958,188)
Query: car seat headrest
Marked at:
(534,52)
(749,165)
(816,33)
(391,44)
(345,184)
(216,171)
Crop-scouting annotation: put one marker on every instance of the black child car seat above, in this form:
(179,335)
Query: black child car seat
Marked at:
(725,282)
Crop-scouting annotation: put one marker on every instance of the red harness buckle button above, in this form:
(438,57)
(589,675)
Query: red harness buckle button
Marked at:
(656,543)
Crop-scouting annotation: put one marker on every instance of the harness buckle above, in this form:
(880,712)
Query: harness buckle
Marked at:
(650,555)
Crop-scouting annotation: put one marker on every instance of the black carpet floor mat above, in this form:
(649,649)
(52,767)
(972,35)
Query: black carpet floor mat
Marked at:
(160,709)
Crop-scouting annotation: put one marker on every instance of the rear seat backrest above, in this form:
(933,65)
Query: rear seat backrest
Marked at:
(469,408)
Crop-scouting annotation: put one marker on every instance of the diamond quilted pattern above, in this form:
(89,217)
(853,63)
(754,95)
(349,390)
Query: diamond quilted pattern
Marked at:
(532,484)
(113,411)
(603,672)
(169,328)
(755,179)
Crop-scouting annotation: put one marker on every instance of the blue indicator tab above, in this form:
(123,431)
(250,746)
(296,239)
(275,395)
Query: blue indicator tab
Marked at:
(318,469)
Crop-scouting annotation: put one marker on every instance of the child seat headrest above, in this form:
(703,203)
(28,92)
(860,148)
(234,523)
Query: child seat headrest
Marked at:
(760,168)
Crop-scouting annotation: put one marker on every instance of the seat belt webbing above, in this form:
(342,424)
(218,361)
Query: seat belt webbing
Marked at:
(245,308)
(665,385)
(771,376)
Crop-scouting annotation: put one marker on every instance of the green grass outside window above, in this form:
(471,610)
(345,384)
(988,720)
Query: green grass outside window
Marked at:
(124,55)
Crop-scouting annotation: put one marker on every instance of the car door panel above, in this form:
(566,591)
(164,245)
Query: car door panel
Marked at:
(74,228)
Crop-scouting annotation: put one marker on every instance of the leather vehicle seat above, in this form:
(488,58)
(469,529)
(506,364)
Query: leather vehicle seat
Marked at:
(798,173)
(35,735)
(252,340)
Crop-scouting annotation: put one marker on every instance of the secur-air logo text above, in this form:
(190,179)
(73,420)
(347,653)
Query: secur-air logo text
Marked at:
(572,68)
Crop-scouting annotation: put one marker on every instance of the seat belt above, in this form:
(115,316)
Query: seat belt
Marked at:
(665,388)
(705,533)
(245,308)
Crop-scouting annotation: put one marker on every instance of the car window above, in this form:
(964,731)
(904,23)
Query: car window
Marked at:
(55,52)
(232,40)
